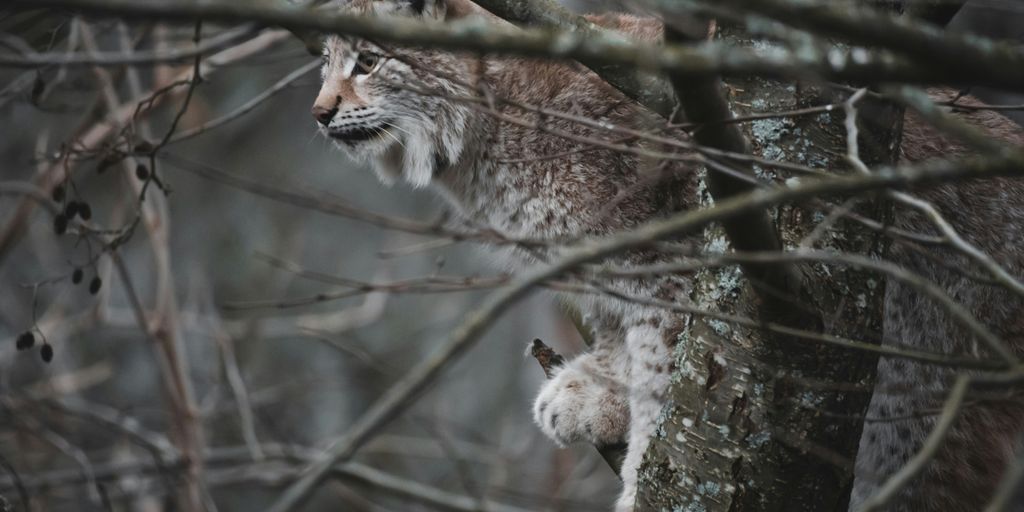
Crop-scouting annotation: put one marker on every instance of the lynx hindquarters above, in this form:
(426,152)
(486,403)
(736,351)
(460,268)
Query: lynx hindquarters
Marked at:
(988,432)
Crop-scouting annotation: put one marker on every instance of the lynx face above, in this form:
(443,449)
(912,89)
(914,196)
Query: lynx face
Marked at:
(388,106)
(348,108)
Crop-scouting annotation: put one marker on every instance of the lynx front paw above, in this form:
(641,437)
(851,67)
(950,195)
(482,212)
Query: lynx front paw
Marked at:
(578,405)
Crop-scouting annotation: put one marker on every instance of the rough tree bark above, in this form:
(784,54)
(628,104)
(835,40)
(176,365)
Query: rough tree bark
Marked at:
(746,427)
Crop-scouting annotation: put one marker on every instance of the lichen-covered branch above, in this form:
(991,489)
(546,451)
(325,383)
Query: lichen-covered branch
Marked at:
(703,104)
(862,25)
(485,37)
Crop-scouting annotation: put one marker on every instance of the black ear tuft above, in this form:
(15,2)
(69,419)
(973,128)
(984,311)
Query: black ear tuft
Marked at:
(417,6)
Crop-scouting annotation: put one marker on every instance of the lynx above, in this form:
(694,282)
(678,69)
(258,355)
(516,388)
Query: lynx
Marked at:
(421,116)
(989,433)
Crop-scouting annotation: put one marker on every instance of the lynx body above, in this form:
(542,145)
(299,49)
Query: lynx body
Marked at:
(423,116)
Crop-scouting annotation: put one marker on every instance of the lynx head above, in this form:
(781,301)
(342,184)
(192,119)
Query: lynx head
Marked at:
(387,104)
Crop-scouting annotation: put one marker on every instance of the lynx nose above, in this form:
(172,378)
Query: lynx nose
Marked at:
(323,115)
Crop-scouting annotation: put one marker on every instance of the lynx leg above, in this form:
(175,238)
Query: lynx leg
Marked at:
(650,374)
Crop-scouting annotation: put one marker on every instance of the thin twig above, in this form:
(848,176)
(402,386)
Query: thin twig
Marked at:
(248,106)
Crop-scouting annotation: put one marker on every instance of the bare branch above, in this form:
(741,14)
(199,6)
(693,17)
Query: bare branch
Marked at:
(924,43)
(93,136)
(483,36)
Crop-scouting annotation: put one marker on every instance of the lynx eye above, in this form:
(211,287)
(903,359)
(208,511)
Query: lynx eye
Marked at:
(365,63)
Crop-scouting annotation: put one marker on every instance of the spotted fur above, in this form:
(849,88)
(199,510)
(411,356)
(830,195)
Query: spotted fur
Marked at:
(990,215)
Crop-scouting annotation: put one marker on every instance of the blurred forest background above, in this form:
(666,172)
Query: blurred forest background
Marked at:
(277,381)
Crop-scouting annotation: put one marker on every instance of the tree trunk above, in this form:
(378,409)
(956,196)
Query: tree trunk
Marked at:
(759,421)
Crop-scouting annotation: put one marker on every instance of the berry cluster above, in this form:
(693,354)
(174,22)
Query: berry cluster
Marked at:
(27,340)
(72,209)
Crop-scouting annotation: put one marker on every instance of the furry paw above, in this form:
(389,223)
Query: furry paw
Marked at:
(580,405)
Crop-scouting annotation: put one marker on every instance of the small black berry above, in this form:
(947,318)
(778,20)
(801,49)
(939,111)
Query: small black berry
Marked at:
(60,224)
(71,209)
(84,211)
(142,172)
(47,353)
(25,341)
(58,193)
(94,285)
(76,276)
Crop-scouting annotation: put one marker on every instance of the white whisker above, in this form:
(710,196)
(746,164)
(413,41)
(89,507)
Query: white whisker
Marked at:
(397,127)
(399,141)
